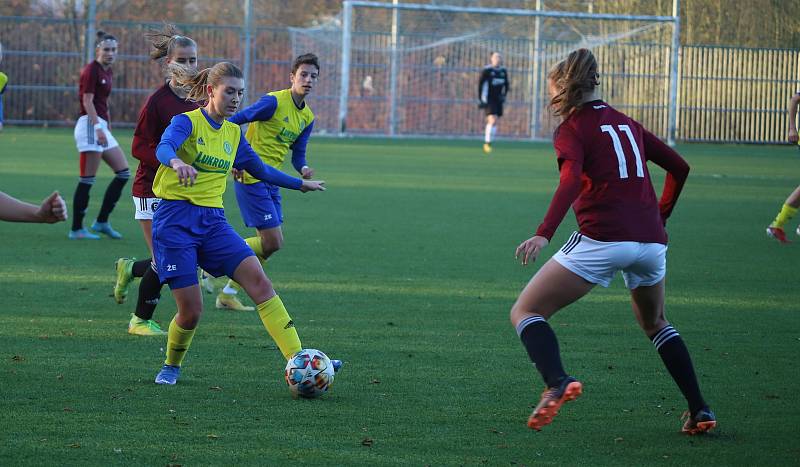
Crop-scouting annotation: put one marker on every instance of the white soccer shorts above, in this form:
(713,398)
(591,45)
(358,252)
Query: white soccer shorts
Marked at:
(145,207)
(85,137)
(642,264)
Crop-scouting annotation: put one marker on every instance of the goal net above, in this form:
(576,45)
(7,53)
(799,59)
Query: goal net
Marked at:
(405,70)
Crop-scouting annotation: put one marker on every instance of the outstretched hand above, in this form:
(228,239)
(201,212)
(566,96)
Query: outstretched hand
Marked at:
(530,249)
(312,185)
(53,209)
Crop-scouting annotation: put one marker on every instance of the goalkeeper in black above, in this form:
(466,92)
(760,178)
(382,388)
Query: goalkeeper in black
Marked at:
(492,90)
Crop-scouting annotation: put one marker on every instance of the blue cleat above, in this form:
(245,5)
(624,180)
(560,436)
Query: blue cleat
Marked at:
(337,365)
(105,228)
(168,375)
(82,234)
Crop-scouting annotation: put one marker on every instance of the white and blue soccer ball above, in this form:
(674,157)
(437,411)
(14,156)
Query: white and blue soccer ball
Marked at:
(309,373)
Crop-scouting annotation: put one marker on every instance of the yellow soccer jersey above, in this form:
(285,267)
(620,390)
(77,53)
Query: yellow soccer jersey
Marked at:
(211,152)
(271,139)
(3,80)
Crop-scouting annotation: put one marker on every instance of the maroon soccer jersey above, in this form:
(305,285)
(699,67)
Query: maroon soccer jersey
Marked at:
(154,118)
(602,155)
(95,80)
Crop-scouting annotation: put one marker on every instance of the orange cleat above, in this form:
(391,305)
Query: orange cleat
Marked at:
(552,399)
(701,422)
(778,234)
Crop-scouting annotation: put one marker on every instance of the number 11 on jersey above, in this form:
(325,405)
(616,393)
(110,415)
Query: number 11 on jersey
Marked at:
(623,164)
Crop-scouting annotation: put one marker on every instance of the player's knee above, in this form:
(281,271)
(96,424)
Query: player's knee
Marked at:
(652,326)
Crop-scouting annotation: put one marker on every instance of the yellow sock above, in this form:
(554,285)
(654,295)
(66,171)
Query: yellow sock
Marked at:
(280,326)
(255,244)
(787,212)
(178,342)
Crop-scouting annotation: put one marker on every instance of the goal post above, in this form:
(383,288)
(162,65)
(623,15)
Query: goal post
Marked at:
(403,69)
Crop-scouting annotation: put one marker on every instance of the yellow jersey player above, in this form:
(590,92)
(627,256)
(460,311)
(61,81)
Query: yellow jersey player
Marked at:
(197,152)
(280,121)
(792,203)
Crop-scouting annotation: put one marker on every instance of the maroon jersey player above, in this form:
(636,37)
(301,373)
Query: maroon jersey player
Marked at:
(167,101)
(95,142)
(602,158)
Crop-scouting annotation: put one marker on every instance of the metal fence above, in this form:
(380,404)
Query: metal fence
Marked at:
(725,94)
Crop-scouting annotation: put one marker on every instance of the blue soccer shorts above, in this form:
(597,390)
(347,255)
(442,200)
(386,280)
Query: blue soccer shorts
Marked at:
(186,236)
(260,204)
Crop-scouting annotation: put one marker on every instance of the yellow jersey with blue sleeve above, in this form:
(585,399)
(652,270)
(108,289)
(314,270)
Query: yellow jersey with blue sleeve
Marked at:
(3,81)
(277,125)
(211,151)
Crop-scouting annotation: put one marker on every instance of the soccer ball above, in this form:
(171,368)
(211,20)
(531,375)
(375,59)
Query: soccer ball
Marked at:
(309,373)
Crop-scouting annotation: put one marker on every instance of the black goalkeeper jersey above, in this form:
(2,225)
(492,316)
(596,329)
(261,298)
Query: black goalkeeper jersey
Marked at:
(494,84)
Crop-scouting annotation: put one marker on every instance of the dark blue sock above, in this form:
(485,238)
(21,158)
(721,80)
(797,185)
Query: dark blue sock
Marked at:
(540,341)
(676,358)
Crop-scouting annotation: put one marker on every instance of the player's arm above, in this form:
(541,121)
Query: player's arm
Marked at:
(145,137)
(89,81)
(299,153)
(793,102)
(676,167)
(53,209)
(506,87)
(174,136)
(247,159)
(261,111)
(570,163)
(483,91)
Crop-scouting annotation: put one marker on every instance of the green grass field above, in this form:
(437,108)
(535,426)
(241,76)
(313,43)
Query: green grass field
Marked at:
(404,269)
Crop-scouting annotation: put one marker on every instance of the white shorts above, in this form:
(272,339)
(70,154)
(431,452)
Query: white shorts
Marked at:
(642,264)
(145,207)
(85,136)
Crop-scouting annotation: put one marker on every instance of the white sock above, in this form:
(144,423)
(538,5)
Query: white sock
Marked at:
(488,133)
(229,290)
(494,131)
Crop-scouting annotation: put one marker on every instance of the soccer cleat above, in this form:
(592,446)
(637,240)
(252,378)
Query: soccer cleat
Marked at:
(206,282)
(124,268)
(487,148)
(168,375)
(140,327)
(778,234)
(230,302)
(82,234)
(552,399)
(701,422)
(105,228)
(337,365)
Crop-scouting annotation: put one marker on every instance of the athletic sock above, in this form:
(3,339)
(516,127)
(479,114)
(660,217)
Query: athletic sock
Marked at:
(178,342)
(255,244)
(676,358)
(786,213)
(494,131)
(280,326)
(149,294)
(81,201)
(540,341)
(487,136)
(112,195)
(141,267)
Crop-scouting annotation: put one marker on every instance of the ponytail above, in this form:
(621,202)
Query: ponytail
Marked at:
(194,82)
(166,40)
(574,77)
